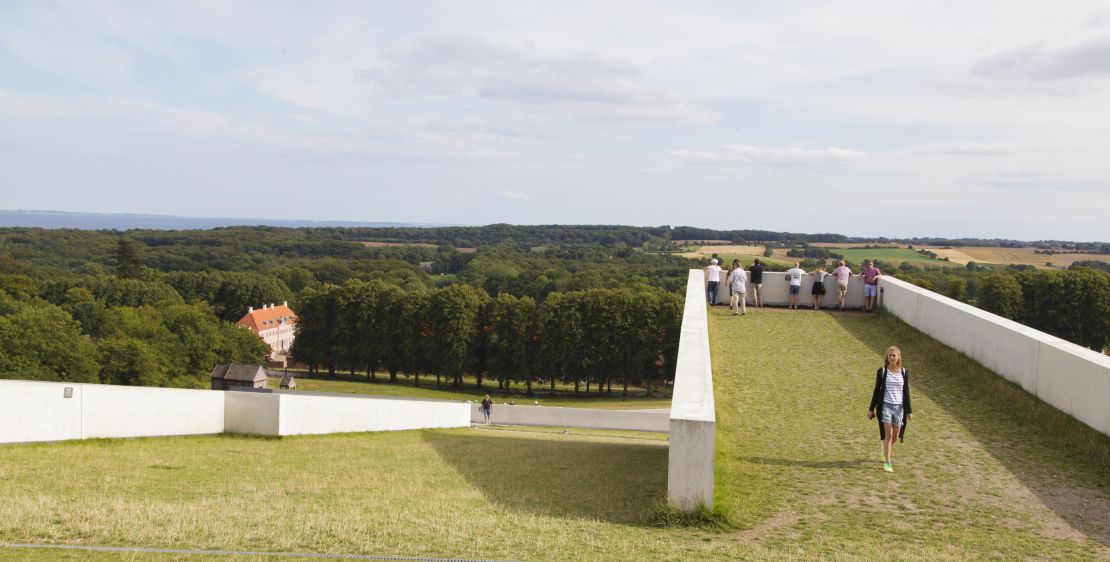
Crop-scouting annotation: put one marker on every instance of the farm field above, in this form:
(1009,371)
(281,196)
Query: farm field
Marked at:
(417,244)
(1015,256)
(986,471)
(889,255)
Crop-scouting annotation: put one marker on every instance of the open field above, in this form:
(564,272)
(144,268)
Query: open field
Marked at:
(1016,256)
(889,255)
(564,396)
(418,244)
(986,471)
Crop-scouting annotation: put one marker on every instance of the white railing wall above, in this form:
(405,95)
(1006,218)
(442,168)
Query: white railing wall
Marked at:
(693,416)
(1070,377)
(776,291)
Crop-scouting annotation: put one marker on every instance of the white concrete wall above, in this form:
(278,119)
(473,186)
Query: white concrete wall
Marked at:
(1070,377)
(776,291)
(693,422)
(38,411)
(302,413)
(633,420)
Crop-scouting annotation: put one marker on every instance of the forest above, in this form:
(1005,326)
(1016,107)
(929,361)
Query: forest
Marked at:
(591,306)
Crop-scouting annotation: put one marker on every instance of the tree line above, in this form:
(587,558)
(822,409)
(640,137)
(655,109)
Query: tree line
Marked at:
(592,337)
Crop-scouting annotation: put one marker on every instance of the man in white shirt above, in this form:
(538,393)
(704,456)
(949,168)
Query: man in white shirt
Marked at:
(738,286)
(794,276)
(713,275)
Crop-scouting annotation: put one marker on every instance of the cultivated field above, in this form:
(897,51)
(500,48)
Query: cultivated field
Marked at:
(986,471)
(1016,256)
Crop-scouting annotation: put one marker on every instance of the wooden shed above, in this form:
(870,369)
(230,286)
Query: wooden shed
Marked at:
(238,374)
(289,382)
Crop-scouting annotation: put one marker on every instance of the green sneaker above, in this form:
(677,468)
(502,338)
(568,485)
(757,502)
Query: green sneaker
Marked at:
(888,467)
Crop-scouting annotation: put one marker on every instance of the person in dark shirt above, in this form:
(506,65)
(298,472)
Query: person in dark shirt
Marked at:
(755,281)
(487,408)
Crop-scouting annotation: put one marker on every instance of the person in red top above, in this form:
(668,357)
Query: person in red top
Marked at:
(870,286)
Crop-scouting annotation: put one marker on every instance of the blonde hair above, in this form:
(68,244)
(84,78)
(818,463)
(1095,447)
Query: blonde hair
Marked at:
(897,362)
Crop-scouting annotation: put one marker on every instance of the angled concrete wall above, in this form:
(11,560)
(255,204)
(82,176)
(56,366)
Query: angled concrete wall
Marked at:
(1070,377)
(586,418)
(693,422)
(776,291)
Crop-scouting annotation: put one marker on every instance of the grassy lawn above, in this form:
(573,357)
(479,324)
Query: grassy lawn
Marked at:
(564,396)
(986,472)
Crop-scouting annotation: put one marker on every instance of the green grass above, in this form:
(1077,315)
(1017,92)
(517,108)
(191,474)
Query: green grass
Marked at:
(986,471)
(889,255)
(564,397)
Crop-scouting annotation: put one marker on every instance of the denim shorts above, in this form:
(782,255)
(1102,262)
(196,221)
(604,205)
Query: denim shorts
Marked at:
(795,289)
(870,290)
(892,414)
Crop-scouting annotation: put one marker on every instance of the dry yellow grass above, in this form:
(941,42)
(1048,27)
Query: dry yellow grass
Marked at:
(1015,256)
(704,251)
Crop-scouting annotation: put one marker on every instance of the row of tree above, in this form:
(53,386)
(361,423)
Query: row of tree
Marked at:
(595,336)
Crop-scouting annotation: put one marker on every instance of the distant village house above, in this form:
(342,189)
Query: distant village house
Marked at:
(274,324)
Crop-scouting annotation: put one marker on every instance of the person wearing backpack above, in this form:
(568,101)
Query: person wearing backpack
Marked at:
(890,402)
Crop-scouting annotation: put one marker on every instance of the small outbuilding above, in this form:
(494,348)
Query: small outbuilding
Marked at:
(225,377)
(289,382)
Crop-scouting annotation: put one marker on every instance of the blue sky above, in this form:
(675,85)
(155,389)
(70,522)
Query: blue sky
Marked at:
(935,118)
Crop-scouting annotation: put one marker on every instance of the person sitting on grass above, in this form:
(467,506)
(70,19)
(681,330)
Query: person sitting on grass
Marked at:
(891,399)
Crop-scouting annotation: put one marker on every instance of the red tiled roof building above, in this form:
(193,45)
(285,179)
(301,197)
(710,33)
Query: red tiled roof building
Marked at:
(273,323)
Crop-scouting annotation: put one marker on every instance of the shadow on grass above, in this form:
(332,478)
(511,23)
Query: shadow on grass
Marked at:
(561,477)
(828,465)
(1059,459)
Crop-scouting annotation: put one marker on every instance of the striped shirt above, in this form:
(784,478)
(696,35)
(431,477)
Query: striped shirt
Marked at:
(894,382)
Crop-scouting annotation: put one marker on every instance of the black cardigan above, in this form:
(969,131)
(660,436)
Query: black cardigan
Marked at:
(877,401)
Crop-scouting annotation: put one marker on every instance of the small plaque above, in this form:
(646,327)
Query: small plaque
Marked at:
(69,392)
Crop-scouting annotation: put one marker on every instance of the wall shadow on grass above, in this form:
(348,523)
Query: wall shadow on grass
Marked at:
(859,464)
(562,477)
(1058,458)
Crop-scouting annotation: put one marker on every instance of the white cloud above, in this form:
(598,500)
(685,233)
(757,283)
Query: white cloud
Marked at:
(968,149)
(514,195)
(737,154)
(1085,59)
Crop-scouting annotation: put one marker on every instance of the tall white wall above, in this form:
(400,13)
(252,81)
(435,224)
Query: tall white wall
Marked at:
(693,423)
(302,413)
(1070,377)
(776,291)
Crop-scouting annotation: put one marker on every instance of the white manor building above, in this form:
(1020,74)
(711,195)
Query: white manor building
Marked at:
(274,324)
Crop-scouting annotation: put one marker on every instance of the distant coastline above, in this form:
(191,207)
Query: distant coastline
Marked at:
(126,221)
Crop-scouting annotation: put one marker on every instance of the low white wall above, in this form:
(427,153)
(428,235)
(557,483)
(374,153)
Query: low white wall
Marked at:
(776,291)
(1070,377)
(39,411)
(693,421)
(634,420)
(316,413)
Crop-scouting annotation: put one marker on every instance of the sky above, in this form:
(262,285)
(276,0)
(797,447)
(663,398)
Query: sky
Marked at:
(986,119)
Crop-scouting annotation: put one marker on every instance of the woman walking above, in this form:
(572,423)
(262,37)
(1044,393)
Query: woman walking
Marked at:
(487,408)
(891,402)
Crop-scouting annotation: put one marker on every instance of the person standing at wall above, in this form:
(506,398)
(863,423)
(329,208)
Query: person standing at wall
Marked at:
(818,290)
(756,280)
(794,277)
(842,274)
(890,401)
(713,275)
(870,286)
(738,289)
(487,408)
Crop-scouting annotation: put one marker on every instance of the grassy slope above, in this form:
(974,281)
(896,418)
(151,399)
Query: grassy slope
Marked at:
(986,470)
